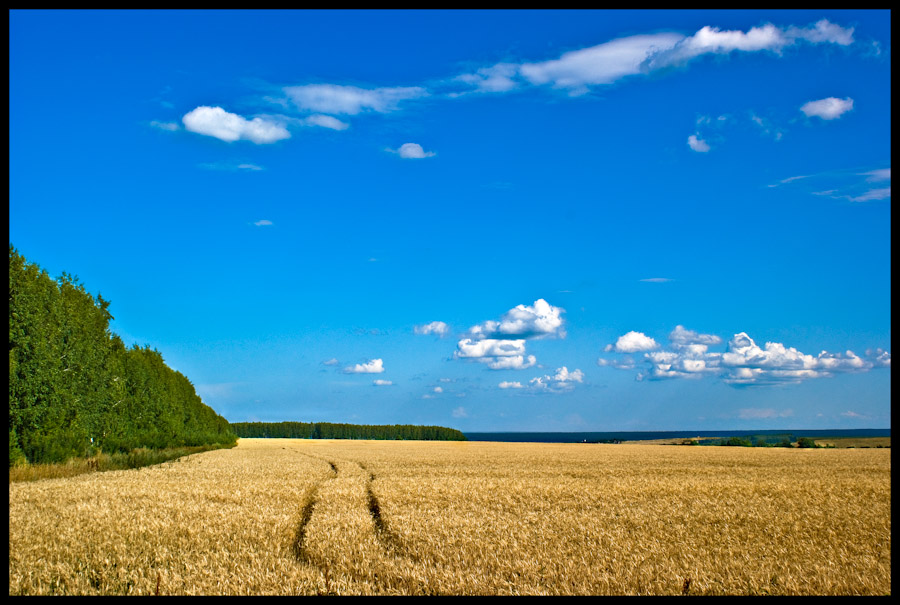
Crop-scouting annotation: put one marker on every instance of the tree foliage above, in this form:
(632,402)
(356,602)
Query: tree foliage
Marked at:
(328,430)
(74,388)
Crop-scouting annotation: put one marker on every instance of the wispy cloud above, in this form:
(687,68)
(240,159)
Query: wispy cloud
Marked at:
(656,280)
(350,100)
(712,40)
(263,223)
(382,383)
(578,70)
(851,185)
(232,166)
(326,122)
(168,126)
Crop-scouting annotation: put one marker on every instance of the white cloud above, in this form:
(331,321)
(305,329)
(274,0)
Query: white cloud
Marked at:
(412,151)
(169,126)
(827,109)
(263,223)
(625,364)
(459,412)
(373,366)
(601,64)
(350,100)
(510,385)
(563,380)
(326,122)
(743,363)
(540,320)
(218,123)
(757,413)
(656,280)
(768,37)
(578,70)
(632,342)
(881,174)
(852,414)
(513,362)
(382,383)
(872,194)
(489,347)
(497,78)
(682,336)
(330,362)
(823,31)
(231,166)
(697,144)
(435,327)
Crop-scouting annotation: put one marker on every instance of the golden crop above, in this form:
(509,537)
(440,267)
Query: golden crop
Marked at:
(371,517)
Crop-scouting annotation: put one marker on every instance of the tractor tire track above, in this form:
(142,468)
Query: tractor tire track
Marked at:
(298,543)
(351,488)
(388,538)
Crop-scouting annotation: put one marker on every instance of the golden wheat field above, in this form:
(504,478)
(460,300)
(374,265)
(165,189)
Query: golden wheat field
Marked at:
(304,517)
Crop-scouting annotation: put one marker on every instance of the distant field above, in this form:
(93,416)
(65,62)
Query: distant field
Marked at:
(843,442)
(307,517)
(837,442)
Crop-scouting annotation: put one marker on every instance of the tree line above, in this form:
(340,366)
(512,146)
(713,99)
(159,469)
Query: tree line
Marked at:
(329,430)
(76,389)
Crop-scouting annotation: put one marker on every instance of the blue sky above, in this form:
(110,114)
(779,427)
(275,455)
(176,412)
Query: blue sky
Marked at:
(490,220)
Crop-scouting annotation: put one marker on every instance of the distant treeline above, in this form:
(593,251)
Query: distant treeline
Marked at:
(75,388)
(328,430)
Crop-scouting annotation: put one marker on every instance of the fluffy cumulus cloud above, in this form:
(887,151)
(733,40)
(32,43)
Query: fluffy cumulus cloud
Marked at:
(507,384)
(435,327)
(350,100)
(827,109)
(540,320)
(563,380)
(497,354)
(632,342)
(743,363)
(230,127)
(746,363)
(373,366)
(411,151)
(500,344)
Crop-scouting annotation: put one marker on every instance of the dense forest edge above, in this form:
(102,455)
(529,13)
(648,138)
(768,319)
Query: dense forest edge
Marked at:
(76,390)
(329,430)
